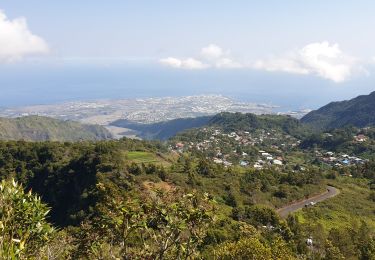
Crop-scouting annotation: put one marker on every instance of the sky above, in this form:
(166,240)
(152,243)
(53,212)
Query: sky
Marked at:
(296,54)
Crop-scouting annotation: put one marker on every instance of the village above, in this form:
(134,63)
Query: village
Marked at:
(341,159)
(258,149)
(338,159)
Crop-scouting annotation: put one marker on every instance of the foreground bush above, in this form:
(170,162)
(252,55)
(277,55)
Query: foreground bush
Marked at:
(24,230)
(167,226)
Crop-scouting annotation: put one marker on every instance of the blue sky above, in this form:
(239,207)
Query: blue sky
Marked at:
(257,44)
(153,28)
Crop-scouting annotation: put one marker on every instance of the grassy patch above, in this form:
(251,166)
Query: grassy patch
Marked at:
(350,206)
(148,157)
(142,157)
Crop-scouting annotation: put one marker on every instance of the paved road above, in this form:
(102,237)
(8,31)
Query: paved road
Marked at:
(329,193)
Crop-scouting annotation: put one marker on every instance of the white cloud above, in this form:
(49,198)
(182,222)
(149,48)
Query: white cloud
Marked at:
(285,65)
(212,51)
(17,41)
(189,63)
(213,56)
(226,63)
(172,62)
(323,59)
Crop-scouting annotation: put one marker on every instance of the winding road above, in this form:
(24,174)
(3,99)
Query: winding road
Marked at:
(329,193)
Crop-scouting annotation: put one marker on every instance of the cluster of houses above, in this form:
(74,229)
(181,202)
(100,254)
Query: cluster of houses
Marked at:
(268,159)
(338,160)
(221,147)
(360,138)
(265,148)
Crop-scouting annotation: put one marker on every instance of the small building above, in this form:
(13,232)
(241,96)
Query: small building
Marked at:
(179,145)
(346,162)
(360,138)
(244,163)
(277,162)
(216,160)
(258,166)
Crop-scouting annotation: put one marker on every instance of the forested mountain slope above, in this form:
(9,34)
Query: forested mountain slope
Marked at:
(36,128)
(163,130)
(251,122)
(227,121)
(357,112)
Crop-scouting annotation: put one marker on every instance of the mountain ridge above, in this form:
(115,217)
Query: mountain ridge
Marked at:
(38,128)
(354,112)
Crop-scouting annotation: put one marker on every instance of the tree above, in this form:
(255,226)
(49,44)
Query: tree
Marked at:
(280,249)
(343,239)
(158,226)
(204,168)
(372,196)
(23,226)
(245,248)
(367,250)
(332,252)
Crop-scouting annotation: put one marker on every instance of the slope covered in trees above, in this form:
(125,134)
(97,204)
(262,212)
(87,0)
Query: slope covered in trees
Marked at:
(36,128)
(251,122)
(108,201)
(227,121)
(163,130)
(357,112)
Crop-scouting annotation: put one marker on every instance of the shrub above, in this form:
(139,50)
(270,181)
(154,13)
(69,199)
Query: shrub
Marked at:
(23,226)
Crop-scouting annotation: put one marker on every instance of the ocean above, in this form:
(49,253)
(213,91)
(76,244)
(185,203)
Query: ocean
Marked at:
(41,84)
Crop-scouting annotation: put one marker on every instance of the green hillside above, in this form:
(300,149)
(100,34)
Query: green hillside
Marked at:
(163,130)
(36,128)
(120,199)
(227,121)
(357,112)
(251,122)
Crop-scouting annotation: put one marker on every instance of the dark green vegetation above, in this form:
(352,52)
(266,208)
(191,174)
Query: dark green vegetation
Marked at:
(23,226)
(163,130)
(357,112)
(250,122)
(36,128)
(135,199)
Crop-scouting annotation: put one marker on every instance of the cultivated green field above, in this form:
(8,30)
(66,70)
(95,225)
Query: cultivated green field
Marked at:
(142,157)
(148,157)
